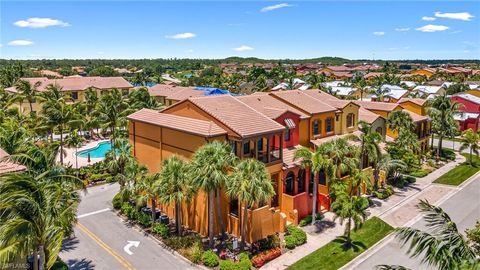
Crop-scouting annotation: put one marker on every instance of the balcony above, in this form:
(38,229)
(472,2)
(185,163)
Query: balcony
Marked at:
(267,149)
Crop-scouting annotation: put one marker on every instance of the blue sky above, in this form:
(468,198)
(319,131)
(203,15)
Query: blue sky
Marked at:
(217,29)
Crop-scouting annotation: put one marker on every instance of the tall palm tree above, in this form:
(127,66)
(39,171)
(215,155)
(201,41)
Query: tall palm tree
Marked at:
(316,161)
(442,110)
(343,155)
(210,166)
(470,141)
(388,165)
(251,185)
(352,210)
(175,186)
(140,98)
(63,117)
(148,189)
(14,138)
(400,120)
(75,140)
(441,246)
(27,91)
(111,111)
(370,144)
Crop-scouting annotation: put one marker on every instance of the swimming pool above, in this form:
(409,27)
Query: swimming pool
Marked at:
(97,152)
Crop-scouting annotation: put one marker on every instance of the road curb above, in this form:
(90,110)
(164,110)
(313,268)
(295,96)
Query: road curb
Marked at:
(158,241)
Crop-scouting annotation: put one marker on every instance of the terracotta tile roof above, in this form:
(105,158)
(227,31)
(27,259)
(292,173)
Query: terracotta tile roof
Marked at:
(239,117)
(417,117)
(329,99)
(163,90)
(186,124)
(367,116)
(304,102)
(418,101)
(373,74)
(377,106)
(288,157)
(185,93)
(78,83)
(269,105)
(7,166)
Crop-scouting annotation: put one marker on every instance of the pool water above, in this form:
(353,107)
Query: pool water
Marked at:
(97,152)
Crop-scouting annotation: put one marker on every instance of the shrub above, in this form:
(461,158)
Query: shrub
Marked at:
(177,242)
(272,241)
(410,179)
(448,154)
(290,242)
(117,201)
(126,209)
(97,177)
(385,193)
(260,259)
(210,258)
(298,235)
(244,263)
(308,220)
(419,173)
(59,265)
(194,253)
(144,219)
(161,229)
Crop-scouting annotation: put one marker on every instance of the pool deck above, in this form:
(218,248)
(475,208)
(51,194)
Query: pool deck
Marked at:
(69,159)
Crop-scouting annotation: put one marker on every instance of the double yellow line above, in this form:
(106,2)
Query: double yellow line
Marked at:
(108,249)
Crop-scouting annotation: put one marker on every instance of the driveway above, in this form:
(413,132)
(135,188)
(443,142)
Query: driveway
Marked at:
(103,241)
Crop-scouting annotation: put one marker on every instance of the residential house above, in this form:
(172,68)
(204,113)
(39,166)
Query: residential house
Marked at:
(73,86)
(427,72)
(416,105)
(185,126)
(471,111)
(429,91)
(393,93)
(377,122)
(169,94)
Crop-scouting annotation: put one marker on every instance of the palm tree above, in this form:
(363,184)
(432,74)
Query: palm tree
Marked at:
(370,144)
(27,91)
(442,110)
(63,117)
(148,189)
(75,140)
(470,141)
(175,186)
(388,165)
(343,155)
(210,165)
(400,120)
(442,246)
(140,98)
(111,111)
(352,210)
(14,138)
(251,185)
(316,161)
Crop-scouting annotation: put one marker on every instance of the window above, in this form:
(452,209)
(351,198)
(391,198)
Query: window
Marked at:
(337,116)
(233,207)
(289,184)
(329,124)
(233,145)
(287,135)
(301,181)
(246,148)
(74,95)
(322,178)
(350,120)
(316,127)
(379,130)
(260,145)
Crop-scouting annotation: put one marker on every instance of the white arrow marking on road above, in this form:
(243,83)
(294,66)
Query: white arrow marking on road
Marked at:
(127,247)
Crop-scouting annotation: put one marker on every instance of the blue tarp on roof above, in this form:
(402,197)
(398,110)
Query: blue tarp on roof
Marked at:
(212,91)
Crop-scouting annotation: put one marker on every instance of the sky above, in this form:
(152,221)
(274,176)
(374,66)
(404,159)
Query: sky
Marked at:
(377,29)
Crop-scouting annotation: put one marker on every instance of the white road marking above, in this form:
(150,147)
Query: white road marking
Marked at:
(130,244)
(94,213)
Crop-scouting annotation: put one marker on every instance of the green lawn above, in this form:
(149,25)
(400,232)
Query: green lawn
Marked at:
(459,174)
(333,255)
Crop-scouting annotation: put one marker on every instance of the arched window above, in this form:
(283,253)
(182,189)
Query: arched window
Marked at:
(316,127)
(329,124)
(289,184)
(301,181)
(350,120)
(322,178)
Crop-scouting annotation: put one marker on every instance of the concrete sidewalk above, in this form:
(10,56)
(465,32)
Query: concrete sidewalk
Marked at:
(395,210)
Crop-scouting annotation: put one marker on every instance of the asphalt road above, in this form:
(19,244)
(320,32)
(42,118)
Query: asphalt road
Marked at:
(463,207)
(101,237)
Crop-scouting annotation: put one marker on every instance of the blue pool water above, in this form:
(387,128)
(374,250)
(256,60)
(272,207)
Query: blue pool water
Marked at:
(97,152)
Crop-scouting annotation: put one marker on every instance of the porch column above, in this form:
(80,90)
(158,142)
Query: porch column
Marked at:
(255,148)
(268,149)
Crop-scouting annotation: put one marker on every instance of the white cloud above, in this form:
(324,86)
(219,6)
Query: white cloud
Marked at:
(40,23)
(379,33)
(430,28)
(427,18)
(273,7)
(186,35)
(404,29)
(464,16)
(243,48)
(20,42)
